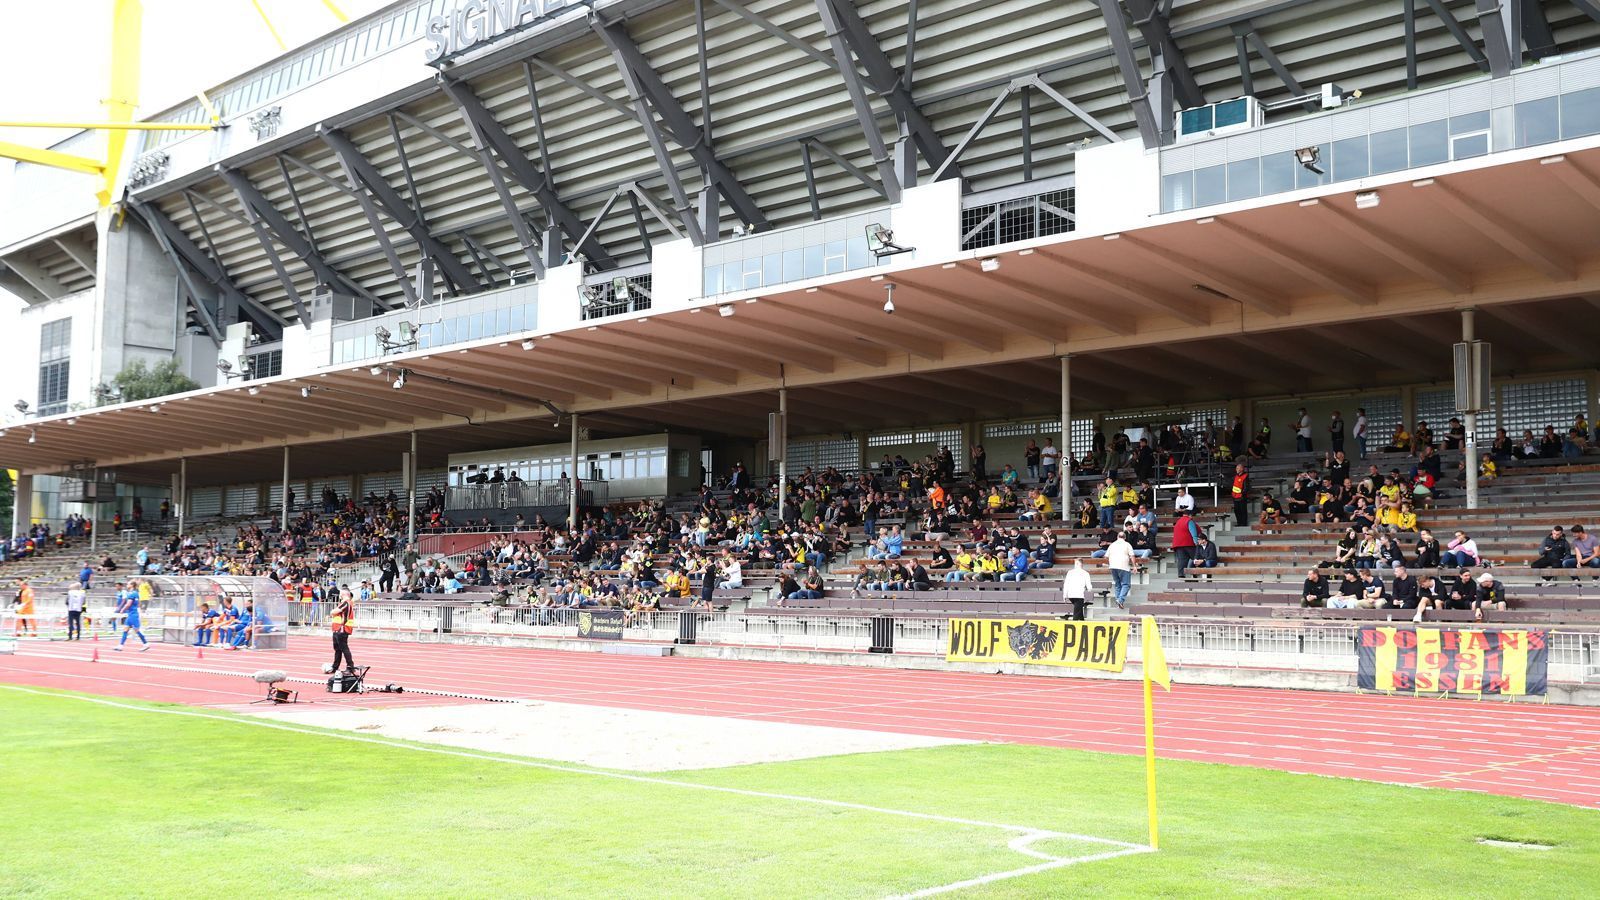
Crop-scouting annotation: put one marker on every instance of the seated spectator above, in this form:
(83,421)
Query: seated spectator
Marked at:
(1426,597)
(1184,502)
(1549,443)
(1044,556)
(1205,552)
(1400,442)
(1553,550)
(1141,541)
(1585,550)
(1346,593)
(1016,567)
(1271,509)
(1314,591)
(1301,498)
(202,627)
(941,558)
(1390,556)
(1108,536)
(1367,550)
(1456,592)
(1404,590)
(1491,596)
(1373,595)
(1462,551)
(965,565)
(1427,550)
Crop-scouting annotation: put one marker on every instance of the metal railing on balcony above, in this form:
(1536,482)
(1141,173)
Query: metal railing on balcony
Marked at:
(510,310)
(512,494)
(1019,213)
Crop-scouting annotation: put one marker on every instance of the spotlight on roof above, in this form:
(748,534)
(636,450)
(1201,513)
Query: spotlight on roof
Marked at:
(400,380)
(1367,199)
(528,344)
(989,263)
(590,295)
(880,240)
(382,334)
(254,391)
(725,310)
(21,406)
(1308,156)
(888,304)
(224,366)
(305,392)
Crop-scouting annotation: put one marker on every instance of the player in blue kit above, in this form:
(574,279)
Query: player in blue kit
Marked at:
(128,609)
(239,634)
(202,629)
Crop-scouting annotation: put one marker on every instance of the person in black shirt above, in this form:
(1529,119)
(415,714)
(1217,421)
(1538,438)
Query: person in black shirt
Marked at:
(1338,467)
(1427,550)
(1456,435)
(1426,597)
(1346,593)
(1549,443)
(1404,590)
(941,558)
(1315,590)
(1271,510)
(1491,594)
(1553,551)
(1301,497)
(1456,591)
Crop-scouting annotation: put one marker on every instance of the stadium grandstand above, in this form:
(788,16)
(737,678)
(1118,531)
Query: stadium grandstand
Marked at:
(756,382)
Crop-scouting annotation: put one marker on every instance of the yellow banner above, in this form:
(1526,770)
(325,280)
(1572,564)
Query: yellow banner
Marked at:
(1046,642)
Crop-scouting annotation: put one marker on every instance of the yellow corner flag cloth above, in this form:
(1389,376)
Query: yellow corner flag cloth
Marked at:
(1155,661)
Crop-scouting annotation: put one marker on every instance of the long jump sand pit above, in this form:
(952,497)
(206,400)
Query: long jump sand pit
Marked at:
(607,737)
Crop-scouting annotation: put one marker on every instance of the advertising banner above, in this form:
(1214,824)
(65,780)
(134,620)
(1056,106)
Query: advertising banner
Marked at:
(1508,662)
(602,624)
(1045,642)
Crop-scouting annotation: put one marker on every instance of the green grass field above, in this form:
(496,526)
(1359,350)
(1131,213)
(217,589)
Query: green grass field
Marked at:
(106,801)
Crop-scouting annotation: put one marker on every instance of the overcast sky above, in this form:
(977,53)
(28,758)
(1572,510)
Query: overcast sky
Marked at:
(55,66)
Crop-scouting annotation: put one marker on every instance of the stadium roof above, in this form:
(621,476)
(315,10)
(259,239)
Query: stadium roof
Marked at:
(1240,304)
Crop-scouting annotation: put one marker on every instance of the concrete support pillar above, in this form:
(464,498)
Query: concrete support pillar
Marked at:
(283,499)
(1470,421)
(22,509)
(572,482)
(783,450)
(411,493)
(1066,437)
(183,493)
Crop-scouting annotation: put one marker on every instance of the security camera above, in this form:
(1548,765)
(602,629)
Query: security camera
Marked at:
(888,304)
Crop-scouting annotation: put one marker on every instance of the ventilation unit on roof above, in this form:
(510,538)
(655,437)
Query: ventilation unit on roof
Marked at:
(1238,114)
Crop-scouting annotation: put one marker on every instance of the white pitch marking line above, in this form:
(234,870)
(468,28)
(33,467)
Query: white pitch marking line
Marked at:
(1020,844)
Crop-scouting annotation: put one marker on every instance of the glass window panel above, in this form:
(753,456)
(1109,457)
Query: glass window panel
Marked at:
(713,283)
(793,266)
(1468,146)
(1210,185)
(1177,191)
(1580,113)
(772,268)
(858,256)
(733,275)
(1244,179)
(1478,121)
(1388,151)
(1349,159)
(503,321)
(1429,144)
(813,260)
(516,317)
(1277,173)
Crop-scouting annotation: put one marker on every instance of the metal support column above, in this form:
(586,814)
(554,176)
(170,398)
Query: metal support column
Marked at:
(783,453)
(284,498)
(1471,421)
(572,483)
(411,498)
(1064,461)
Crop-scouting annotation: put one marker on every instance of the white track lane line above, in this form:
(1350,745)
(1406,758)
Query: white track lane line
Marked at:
(1022,843)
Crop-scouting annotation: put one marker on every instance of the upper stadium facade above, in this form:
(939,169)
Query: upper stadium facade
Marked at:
(520,208)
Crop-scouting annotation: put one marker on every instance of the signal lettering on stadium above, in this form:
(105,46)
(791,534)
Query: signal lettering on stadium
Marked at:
(1081,645)
(479,21)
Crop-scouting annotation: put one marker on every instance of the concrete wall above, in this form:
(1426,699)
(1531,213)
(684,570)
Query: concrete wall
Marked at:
(1118,187)
(20,347)
(138,314)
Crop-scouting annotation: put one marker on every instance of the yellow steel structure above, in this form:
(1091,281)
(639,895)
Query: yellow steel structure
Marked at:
(52,158)
(276,37)
(109,126)
(127,21)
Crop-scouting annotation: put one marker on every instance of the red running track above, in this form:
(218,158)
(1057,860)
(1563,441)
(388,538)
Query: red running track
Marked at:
(1525,750)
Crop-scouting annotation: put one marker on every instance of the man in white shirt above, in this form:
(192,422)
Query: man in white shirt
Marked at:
(76,598)
(1049,458)
(1360,433)
(732,573)
(1184,502)
(1119,556)
(1302,432)
(1076,588)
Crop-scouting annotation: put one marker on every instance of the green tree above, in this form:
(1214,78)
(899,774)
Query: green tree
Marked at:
(140,382)
(6,505)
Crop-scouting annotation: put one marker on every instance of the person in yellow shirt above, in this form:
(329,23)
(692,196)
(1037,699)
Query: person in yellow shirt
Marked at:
(1405,519)
(1488,469)
(963,566)
(1108,502)
(1042,507)
(994,500)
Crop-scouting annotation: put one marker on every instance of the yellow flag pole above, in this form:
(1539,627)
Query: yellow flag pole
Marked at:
(1150,755)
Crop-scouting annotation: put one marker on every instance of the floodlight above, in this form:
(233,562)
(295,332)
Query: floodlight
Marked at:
(880,240)
(305,392)
(1308,156)
(588,294)
(382,334)
(224,366)
(407,332)
(725,310)
(619,288)
(21,406)
(528,344)
(1367,199)
(989,263)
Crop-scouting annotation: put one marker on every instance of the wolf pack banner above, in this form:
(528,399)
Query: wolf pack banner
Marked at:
(1510,662)
(605,624)
(1047,642)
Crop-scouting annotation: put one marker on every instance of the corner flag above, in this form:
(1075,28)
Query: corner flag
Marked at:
(1155,661)
(1155,670)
